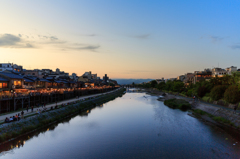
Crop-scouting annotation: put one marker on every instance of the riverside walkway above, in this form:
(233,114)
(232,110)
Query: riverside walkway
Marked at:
(202,103)
(3,117)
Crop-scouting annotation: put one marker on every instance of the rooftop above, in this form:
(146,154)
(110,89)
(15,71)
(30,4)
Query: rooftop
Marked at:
(11,75)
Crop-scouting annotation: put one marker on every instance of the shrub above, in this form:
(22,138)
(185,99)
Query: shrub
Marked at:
(232,94)
(177,103)
(201,112)
(217,92)
(223,120)
(206,99)
(202,91)
(189,92)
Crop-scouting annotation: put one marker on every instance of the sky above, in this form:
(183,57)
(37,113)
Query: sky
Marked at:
(121,38)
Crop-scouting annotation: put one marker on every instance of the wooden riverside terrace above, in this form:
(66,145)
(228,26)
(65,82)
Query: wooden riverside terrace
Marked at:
(16,103)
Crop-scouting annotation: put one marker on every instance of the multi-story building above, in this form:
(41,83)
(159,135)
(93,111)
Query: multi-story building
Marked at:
(202,75)
(218,72)
(17,68)
(36,73)
(231,69)
(6,67)
(105,79)
(83,79)
(188,78)
(181,78)
(14,81)
(88,75)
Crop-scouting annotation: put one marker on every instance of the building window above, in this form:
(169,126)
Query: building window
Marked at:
(17,83)
(3,85)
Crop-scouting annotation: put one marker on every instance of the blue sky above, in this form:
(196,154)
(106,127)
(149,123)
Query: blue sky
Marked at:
(125,39)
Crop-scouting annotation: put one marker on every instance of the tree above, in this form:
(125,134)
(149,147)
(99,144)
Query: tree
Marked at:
(161,85)
(218,92)
(202,90)
(232,94)
(153,83)
(178,86)
(169,85)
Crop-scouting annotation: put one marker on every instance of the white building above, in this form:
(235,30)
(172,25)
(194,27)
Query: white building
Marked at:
(6,66)
(218,72)
(231,69)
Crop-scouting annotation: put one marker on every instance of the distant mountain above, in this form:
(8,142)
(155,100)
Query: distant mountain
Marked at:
(130,81)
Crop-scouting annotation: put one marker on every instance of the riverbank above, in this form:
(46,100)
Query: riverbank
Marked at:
(214,114)
(48,106)
(13,130)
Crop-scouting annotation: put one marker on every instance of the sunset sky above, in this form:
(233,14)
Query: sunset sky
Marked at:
(122,38)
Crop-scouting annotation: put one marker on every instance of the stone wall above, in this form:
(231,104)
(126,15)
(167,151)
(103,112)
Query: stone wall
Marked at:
(225,113)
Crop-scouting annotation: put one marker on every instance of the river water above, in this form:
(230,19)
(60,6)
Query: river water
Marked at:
(133,126)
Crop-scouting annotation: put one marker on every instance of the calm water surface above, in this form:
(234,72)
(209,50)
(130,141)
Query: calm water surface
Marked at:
(133,126)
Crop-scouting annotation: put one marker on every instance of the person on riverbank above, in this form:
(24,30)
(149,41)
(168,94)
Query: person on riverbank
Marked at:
(7,120)
(194,98)
(22,115)
(19,117)
(32,108)
(27,108)
(235,109)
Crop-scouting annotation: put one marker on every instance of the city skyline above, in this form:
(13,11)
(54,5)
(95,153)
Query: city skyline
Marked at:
(136,39)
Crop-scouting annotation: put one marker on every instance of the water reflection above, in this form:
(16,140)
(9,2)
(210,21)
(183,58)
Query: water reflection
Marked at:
(134,126)
(7,148)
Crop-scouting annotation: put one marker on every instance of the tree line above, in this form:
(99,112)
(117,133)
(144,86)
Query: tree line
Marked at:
(226,88)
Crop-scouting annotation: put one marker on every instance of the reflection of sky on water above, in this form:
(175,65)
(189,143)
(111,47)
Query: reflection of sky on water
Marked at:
(133,126)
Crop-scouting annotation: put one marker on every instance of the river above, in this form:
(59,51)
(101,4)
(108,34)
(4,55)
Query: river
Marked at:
(133,126)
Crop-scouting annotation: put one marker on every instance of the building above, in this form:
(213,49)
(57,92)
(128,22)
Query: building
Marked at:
(202,75)
(172,79)
(4,84)
(94,76)
(231,69)
(181,78)
(36,73)
(17,68)
(105,79)
(160,80)
(74,77)
(14,81)
(218,72)
(188,78)
(6,67)
(58,71)
(88,75)
(83,79)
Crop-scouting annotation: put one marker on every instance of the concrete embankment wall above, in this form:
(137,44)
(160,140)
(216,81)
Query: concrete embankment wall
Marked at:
(224,113)
(15,129)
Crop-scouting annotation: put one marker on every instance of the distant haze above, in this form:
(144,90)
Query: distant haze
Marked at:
(130,81)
